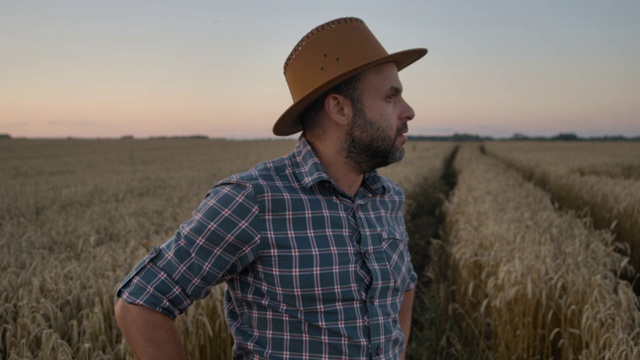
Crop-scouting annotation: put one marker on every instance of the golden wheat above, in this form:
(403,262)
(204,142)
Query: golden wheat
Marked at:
(598,178)
(76,215)
(531,281)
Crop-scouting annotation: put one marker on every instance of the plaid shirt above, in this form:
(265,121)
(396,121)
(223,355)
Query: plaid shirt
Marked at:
(311,272)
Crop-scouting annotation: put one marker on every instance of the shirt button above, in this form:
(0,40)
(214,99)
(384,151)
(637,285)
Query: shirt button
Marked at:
(367,254)
(379,350)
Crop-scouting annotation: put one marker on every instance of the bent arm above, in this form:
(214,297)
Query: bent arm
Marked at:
(151,335)
(404,315)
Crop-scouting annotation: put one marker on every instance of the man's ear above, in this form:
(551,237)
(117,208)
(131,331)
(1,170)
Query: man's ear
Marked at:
(339,109)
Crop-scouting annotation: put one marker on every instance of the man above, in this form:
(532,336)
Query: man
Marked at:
(312,246)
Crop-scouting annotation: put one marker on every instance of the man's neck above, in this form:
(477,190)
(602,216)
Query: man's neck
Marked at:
(332,157)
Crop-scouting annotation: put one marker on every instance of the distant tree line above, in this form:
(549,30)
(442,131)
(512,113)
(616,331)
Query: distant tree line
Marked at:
(454,137)
(520,136)
(176,137)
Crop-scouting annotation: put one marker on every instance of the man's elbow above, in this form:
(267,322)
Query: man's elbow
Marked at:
(124,312)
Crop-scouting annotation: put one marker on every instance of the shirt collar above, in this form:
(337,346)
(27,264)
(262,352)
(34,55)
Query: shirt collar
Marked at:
(310,170)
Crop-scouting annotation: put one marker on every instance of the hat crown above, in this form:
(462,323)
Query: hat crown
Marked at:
(331,49)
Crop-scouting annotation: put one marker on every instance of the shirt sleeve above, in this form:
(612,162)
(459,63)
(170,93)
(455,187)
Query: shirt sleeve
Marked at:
(413,277)
(218,242)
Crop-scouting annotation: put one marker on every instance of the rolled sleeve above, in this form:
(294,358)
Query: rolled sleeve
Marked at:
(413,279)
(413,276)
(218,242)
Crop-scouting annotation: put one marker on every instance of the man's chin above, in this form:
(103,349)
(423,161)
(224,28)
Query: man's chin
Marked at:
(397,155)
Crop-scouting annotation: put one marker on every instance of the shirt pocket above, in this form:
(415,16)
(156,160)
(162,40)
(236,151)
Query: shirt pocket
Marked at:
(394,246)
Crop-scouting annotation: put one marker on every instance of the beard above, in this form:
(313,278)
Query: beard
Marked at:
(369,145)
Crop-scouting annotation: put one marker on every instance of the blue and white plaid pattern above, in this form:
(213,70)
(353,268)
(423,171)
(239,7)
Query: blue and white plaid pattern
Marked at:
(311,272)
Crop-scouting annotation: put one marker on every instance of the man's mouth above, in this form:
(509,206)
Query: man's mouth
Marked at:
(403,130)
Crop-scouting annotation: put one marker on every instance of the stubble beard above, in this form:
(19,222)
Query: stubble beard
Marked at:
(369,145)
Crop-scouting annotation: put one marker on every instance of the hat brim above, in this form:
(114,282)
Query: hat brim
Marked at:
(289,124)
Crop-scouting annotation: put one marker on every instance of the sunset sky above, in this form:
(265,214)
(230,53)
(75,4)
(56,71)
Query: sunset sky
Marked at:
(152,68)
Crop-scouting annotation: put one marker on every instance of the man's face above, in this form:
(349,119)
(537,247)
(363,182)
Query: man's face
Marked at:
(379,121)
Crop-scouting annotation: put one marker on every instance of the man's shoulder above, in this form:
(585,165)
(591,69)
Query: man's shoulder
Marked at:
(272,171)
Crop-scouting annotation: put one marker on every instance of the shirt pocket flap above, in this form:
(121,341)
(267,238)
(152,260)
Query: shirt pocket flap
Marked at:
(394,245)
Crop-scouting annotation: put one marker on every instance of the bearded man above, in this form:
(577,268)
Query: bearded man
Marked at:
(312,246)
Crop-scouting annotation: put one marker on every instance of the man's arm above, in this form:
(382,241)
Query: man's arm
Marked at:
(151,335)
(404,315)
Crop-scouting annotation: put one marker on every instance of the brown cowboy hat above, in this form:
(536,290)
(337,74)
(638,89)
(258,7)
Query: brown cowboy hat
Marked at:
(327,55)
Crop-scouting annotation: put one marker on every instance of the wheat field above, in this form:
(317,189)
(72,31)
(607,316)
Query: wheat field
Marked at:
(532,281)
(76,215)
(514,260)
(601,180)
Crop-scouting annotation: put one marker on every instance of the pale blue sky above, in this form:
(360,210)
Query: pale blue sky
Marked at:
(147,68)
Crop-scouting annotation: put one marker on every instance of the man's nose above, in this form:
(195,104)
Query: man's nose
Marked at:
(408,113)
